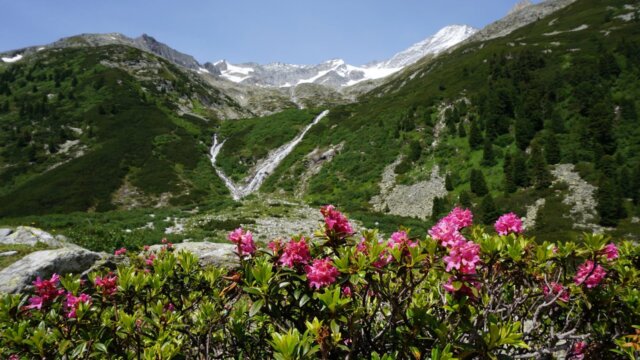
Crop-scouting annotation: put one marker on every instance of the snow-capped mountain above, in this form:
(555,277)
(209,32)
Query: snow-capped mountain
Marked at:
(336,73)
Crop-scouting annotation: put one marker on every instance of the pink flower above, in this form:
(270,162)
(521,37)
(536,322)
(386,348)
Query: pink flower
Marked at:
(73,303)
(164,240)
(577,352)
(464,256)
(244,240)
(108,284)
(169,307)
(14,357)
(460,218)
(146,248)
(588,275)
(150,259)
(120,251)
(321,273)
(295,252)
(401,239)
(335,223)
(447,232)
(508,223)
(362,247)
(275,246)
(35,302)
(346,291)
(550,293)
(46,290)
(611,251)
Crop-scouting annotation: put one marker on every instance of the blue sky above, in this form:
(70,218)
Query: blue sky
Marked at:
(292,31)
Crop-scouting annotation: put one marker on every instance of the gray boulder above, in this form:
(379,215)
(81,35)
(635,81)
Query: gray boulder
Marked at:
(27,235)
(208,253)
(23,272)
(5,232)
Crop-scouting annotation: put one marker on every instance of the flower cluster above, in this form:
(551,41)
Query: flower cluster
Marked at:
(610,251)
(244,240)
(46,290)
(463,256)
(295,252)
(73,302)
(447,230)
(108,284)
(321,273)
(508,223)
(120,251)
(589,275)
(335,223)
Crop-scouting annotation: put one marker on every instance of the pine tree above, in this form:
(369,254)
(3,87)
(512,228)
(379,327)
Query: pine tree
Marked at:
(488,157)
(520,171)
(415,150)
(461,131)
(635,184)
(475,136)
(509,182)
(438,208)
(610,208)
(524,132)
(539,169)
(488,211)
(465,199)
(552,149)
(478,184)
(448,182)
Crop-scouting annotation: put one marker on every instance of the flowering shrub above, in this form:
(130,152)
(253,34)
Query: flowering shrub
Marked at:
(459,293)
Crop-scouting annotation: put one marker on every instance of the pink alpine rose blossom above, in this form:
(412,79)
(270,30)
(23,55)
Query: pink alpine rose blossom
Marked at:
(321,273)
(465,289)
(244,240)
(150,259)
(554,290)
(73,302)
(120,251)
(346,291)
(447,232)
(108,284)
(46,290)
(508,223)
(610,251)
(464,256)
(335,222)
(461,218)
(275,246)
(295,252)
(588,275)
(578,350)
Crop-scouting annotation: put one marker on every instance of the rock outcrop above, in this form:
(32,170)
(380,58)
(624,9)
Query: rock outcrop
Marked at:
(208,253)
(22,273)
(27,235)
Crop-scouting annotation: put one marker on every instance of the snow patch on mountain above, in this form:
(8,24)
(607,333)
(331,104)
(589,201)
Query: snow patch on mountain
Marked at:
(336,73)
(12,59)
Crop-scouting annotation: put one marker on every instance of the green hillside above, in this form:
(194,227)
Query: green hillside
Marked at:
(545,94)
(74,130)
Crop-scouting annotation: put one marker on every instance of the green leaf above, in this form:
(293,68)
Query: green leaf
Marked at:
(255,308)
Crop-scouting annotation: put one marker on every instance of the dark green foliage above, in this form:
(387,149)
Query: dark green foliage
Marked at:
(609,206)
(488,157)
(415,151)
(635,184)
(475,136)
(465,199)
(478,183)
(509,174)
(461,131)
(448,182)
(520,169)
(488,211)
(552,149)
(438,208)
(539,169)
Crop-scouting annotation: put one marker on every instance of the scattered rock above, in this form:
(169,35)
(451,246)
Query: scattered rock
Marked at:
(529,222)
(27,235)
(8,253)
(5,232)
(208,253)
(21,273)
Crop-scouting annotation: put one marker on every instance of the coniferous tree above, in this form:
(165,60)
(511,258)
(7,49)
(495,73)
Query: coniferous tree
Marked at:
(465,199)
(520,170)
(475,136)
(477,182)
(448,182)
(438,208)
(488,157)
(552,149)
(539,168)
(635,184)
(508,170)
(628,111)
(524,132)
(488,210)
(461,131)
(610,208)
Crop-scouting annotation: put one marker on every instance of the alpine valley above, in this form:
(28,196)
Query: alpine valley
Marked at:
(114,141)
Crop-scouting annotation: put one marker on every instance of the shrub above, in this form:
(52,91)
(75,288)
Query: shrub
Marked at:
(461,292)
